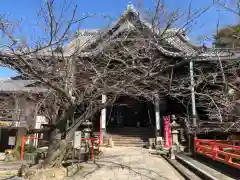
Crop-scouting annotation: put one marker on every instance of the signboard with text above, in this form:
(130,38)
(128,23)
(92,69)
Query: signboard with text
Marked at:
(77,140)
(167,132)
(11,140)
(5,123)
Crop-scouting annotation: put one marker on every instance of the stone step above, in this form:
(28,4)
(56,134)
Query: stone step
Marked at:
(126,140)
(129,136)
(126,134)
(130,145)
(129,130)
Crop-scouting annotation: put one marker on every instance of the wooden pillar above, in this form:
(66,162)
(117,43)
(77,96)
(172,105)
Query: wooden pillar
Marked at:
(21,131)
(193,95)
(103,118)
(157,116)
(17,112)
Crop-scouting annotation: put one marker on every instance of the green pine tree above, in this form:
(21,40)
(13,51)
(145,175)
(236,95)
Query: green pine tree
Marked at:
(228,37)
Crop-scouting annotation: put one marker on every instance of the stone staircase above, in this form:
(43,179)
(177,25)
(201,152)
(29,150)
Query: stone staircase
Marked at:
(129,136)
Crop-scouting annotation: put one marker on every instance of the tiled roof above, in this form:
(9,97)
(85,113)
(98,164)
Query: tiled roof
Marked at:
(84,38)
(178,44)
(172,36)
(9,85)
(217,54)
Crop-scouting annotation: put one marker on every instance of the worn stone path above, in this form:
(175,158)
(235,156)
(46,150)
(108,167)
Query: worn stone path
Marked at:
(121,163)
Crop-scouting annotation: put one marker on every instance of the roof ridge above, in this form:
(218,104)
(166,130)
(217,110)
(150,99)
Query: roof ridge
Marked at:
(83,31)
(86,37)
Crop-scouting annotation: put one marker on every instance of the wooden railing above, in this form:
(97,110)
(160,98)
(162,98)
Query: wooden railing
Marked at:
(225,151)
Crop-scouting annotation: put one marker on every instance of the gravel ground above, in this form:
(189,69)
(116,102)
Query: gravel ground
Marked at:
(120,163)
(12,178)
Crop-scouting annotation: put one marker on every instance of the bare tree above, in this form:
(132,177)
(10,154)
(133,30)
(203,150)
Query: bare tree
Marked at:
(217,88)
(132,58)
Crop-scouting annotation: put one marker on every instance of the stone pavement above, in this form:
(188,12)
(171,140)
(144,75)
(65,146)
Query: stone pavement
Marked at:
(121,163)
(12,178)
(8,170)
(11,165)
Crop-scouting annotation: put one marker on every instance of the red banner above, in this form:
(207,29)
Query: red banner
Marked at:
(167,132)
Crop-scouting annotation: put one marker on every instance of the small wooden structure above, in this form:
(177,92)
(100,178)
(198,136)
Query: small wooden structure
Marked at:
(17,110)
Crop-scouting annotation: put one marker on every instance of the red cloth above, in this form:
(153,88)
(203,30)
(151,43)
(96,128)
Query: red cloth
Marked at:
(167,132)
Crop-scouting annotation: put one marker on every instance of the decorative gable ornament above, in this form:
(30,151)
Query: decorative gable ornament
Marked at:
(130,6)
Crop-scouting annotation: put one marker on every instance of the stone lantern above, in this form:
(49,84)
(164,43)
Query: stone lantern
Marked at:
(174,131)
(177,133)
(175,127)
(181,135)
(86,129)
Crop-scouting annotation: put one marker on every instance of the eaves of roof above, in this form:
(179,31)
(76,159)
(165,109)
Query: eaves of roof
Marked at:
(19,86)
(172,36)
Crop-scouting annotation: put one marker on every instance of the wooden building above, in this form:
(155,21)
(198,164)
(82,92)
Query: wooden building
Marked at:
(194,106)
(17,110)
(187,64)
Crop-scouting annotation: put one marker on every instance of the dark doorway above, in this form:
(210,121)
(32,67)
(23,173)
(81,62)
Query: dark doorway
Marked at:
(130,112)
(5,133)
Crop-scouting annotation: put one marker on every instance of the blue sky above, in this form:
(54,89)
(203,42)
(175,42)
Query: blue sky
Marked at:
(26,11)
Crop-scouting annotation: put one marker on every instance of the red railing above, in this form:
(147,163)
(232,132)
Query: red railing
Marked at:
(91,139)
(224,151)
(92,143)
(24,138)
(100,133)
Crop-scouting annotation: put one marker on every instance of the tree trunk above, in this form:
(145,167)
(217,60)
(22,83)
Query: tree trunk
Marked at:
(56,149)
(58,141)
(59,137)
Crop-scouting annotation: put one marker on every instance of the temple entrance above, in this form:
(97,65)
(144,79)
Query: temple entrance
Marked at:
(130,122)
(130,112)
